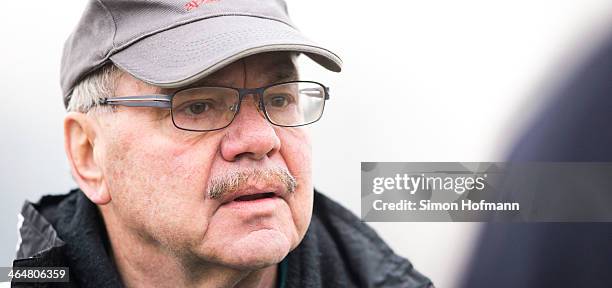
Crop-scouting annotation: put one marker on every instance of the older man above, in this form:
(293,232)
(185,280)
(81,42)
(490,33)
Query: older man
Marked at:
(185,136)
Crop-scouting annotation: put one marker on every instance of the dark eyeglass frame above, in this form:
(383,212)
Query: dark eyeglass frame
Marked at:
(165,102)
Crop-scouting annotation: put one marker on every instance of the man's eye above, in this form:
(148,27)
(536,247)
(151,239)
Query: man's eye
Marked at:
(279,101)
(197,108)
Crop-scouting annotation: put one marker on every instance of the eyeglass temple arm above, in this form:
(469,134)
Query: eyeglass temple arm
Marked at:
(154,100)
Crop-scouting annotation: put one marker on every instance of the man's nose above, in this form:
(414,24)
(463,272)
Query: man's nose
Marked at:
(250,135)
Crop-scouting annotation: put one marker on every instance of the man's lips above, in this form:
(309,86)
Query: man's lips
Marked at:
(250,201)
(256,196)
(253,193)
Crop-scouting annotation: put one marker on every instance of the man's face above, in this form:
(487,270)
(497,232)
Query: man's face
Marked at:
(158,176)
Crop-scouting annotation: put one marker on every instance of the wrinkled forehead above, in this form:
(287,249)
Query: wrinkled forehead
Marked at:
(268,68)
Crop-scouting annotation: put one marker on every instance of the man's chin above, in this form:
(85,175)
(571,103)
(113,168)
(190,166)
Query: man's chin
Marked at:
(257,249)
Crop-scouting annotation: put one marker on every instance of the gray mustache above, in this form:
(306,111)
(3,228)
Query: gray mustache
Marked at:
(230,183)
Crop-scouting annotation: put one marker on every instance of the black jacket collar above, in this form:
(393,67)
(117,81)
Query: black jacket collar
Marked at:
(76,239)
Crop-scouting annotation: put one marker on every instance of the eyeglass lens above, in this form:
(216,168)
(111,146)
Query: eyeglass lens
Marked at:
(210,108)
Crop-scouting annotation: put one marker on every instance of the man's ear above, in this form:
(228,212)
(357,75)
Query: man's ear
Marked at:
(80,132)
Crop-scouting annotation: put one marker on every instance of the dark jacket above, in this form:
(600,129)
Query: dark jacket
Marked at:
(338,250)
(573,127)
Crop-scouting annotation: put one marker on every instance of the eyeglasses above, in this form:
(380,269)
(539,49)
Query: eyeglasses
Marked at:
(287,104)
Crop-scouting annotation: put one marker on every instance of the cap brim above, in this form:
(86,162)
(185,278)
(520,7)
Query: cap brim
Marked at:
(187,53)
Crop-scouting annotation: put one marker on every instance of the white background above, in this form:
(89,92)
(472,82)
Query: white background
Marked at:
(423,81)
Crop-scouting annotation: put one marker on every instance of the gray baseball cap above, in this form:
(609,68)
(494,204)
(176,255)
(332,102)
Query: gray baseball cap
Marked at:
(171,43)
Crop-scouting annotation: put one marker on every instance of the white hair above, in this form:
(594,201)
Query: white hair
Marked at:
(95,86)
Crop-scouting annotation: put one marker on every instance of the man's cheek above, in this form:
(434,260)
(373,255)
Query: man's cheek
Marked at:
(189,169)
(296,149)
